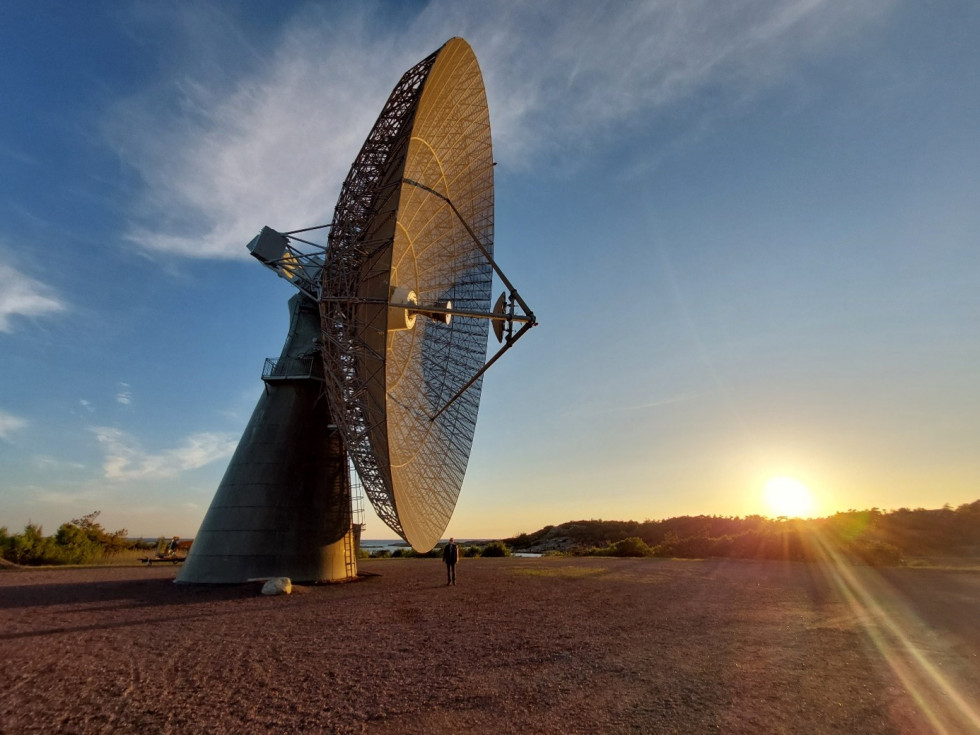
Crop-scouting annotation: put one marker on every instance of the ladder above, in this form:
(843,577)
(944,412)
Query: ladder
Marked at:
(350,555)
(357,522)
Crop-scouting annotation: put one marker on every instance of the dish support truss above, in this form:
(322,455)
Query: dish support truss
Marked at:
(363,192)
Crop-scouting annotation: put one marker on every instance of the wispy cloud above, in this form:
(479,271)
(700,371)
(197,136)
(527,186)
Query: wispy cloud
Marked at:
(573,76)
(47,462)
(71,498)
(125,395)
(220,157)
(9,424)
(21,295)
(649,405)
(659,403)
(126,460)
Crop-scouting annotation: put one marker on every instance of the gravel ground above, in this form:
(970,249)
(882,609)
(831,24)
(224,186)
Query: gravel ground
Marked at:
(550,645)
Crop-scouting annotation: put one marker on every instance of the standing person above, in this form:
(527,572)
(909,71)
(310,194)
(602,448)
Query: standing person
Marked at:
(450,555)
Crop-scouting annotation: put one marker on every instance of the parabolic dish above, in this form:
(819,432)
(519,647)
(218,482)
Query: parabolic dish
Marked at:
(394,233)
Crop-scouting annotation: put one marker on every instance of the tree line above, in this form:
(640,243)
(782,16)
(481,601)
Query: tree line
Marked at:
(85,541)
(78,541)
(867,536)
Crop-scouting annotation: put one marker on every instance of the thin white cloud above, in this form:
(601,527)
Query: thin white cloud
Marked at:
(87,405)
(71,498)
(220,158)
(10,424)
(570,76)
(663,402)
(596,409)
(271,149)
(47,462)
(125,395)
(21,295)
(126,460)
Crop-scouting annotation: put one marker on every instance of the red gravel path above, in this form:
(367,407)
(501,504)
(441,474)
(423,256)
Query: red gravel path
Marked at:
(520,646)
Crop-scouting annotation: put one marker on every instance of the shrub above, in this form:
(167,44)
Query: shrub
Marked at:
(83,540)
(80,541)
(32,547)
(495,548)
(876,553)
(77,546)
(632,546)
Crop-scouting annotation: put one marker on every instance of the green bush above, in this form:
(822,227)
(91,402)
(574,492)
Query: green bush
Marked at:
(876,553)
(77,546)
(632,546)
(80,541)
(32,547)
(84,540)
(495,548)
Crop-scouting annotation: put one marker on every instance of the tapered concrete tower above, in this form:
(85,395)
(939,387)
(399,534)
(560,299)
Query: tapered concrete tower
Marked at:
(283,508)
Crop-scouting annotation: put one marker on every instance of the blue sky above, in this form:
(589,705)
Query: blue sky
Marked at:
(748,229)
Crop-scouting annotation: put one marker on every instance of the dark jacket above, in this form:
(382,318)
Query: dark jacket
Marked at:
(450,554)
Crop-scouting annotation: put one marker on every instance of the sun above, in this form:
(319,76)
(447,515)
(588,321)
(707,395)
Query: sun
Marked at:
(788,497)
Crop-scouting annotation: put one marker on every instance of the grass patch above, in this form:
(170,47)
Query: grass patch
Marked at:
(570,572)
(970,563)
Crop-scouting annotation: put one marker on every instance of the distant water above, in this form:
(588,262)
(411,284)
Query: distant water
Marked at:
(370,545)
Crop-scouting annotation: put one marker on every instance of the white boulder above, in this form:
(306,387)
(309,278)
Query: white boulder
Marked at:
(277,586)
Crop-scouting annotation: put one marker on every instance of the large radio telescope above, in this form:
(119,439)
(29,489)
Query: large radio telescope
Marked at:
(386,349)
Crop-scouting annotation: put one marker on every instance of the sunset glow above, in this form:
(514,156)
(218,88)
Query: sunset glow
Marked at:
(787,496)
